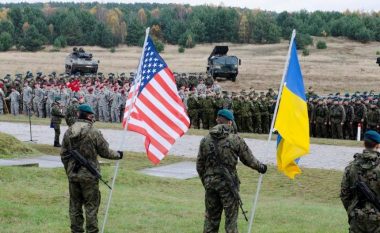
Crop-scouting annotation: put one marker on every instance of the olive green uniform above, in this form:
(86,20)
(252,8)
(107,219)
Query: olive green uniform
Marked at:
(218,191)
(83,186)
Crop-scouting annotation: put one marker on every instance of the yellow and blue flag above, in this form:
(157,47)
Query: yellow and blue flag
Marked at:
(292,121)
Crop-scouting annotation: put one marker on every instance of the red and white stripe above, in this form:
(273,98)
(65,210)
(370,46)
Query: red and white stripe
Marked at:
(157,113)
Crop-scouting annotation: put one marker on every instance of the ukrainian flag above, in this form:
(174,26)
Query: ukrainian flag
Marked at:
(292,121)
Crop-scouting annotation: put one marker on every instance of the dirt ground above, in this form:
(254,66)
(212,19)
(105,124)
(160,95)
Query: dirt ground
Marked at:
(343,66)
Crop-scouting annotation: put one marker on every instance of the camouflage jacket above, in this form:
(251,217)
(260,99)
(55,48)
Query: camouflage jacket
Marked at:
(360,112)
(90,143)
(71,114)
(366,168)
(56,113)
(349,113)
(373,117)
(231,148)
(192,103)
(337,114)
(246,107)
(321,113)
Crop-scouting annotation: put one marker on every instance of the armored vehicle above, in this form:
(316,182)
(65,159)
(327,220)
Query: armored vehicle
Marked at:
(80,62)
(221,65)
(378,61)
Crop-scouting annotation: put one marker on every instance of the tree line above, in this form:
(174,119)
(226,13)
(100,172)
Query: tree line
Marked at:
(31,26)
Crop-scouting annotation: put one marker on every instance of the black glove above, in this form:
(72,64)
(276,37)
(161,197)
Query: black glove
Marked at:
(121,154)
(262,168)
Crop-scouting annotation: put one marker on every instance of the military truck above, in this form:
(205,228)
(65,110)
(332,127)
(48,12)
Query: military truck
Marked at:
(221,65)
(80,62)
(378,61)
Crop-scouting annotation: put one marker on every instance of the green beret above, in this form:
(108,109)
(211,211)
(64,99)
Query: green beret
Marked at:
(57,98)
(226,114)
(86,108)
(372,136)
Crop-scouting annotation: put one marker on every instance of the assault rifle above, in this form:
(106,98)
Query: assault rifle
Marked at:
(368,194)
(82,161)
(229,179)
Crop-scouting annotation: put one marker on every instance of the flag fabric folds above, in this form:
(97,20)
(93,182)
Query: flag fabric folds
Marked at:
(292,121)
(157,110)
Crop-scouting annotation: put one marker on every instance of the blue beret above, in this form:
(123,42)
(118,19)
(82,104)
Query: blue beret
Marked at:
(86,108)
(372,136)
(226,114)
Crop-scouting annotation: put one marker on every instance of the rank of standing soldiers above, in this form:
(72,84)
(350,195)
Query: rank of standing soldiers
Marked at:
(332,116)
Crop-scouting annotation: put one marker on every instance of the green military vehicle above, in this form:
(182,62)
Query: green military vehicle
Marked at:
(80,62)
(221,65)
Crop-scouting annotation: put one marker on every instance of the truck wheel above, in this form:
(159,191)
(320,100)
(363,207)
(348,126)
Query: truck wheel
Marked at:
(233,78)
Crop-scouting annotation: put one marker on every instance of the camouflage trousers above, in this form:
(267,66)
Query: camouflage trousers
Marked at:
(247,124)
(337,130)
(194,118)
(15,109)
(364,226)
(256,122)
(217,199)
(57,133)
(85,194)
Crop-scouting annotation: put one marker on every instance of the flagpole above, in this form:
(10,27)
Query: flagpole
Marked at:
(256,197)
(134,93)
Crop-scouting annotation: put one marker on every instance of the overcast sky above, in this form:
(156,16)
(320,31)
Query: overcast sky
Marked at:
(273,5)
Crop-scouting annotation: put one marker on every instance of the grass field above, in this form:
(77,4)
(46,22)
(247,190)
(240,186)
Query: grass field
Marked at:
(344,66)
(36,200)
(201,132)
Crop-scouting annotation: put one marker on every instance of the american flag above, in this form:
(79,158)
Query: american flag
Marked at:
(157,110)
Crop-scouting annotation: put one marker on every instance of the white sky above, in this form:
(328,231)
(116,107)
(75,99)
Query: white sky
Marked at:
(273,5)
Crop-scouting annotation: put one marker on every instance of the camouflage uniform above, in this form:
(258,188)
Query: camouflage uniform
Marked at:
(71,113)
(236,108)
(246,116)
(83,186)
(15,102)
(27,100)
(347,127)
(256,116)
(373,118)
(321,118)
(38,101)
(363,217)
(360,117)
(217,177)
(207,112)
(337,119)
(193,109)
(265,123)
(56,119)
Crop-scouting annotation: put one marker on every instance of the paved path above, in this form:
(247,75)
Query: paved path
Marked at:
(321,156)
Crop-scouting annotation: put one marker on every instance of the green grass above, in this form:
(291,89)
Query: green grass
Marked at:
(36,200)
(10,147)
(200,132)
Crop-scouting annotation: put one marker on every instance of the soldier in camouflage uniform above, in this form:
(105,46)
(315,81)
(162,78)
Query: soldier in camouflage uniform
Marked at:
(56,119)
(83,186)
(246,115)
(207,106)
(373,117)
(193,109)
(27,94)
(321,114)
(360,116)
(72,112)
(14,97)
(337,119)
(256,115)
(347,127)
(363,216)
(264,110)
(236,109)
(2,95)
(216,164)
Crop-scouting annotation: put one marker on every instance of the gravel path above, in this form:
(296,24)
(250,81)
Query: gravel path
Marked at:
(321,156)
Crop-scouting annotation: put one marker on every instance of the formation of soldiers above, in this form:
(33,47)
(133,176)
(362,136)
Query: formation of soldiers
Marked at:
(332,116)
